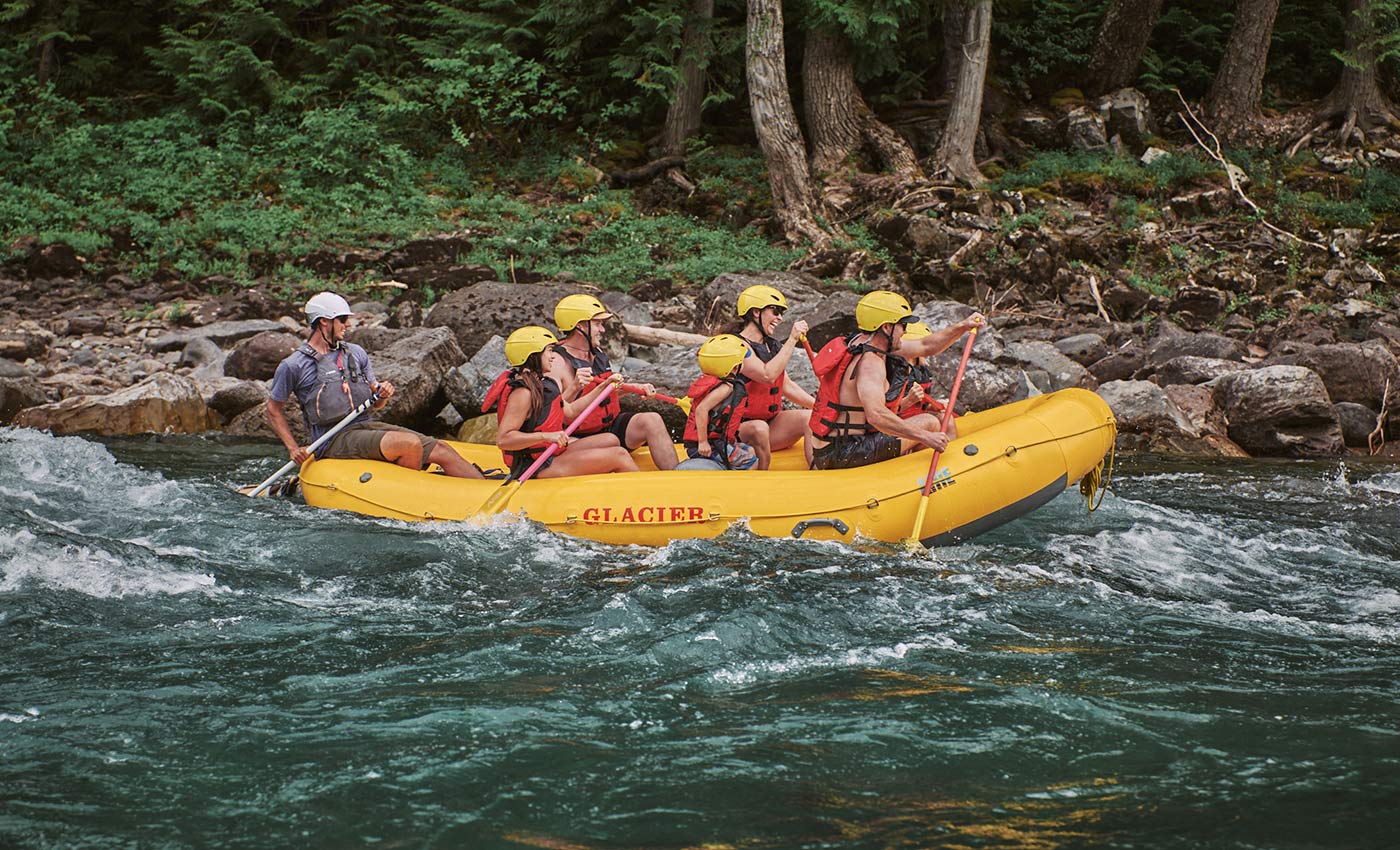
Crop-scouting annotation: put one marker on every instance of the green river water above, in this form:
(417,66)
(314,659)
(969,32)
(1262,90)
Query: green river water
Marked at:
(1210,660)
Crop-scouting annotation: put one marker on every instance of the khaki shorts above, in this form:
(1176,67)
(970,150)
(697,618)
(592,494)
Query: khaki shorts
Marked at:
(362,441)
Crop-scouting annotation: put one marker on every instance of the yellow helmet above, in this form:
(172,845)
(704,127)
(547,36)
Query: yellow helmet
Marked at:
(719,355)
(881,306)
(525,341)
(916,330)
(573,309)
(760,296)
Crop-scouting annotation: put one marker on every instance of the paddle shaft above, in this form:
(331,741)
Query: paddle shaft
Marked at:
(320,441)
(913,539)
(634,388)
(553,447)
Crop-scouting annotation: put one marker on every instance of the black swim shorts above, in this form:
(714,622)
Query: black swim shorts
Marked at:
(848,452)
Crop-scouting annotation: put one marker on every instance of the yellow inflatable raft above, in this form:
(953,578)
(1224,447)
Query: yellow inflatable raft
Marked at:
(1006,462)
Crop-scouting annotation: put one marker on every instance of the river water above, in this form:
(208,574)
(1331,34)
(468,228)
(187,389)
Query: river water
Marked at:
(1209,660)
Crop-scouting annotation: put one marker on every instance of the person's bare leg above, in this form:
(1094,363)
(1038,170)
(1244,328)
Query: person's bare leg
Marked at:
(452,463)
(755,432)
(402,448)
(650,428)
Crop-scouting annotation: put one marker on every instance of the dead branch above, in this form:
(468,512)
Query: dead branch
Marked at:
(971,243)
(1098,299)
(618,179)
(1375,441)
(1215,153)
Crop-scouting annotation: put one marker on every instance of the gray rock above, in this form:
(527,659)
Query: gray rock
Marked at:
(1142,407)
(234,396)
(200,352)
(256,357)
(465,386)
(1127,114)
(1357,420)
(1118,366)
(163,403)
(1083,349)
(1355,373)
(220,333)
(1215,346)
(1085,130)
(1062,371)
(1280,411)
(17,394)
(417,365)
(1194,370)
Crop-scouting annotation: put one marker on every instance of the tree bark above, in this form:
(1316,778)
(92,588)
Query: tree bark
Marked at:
(954,27)
(1357,102)
(1233,102)
(1121,41)
(954,157)
(828,83)
(775,123)
(683,115)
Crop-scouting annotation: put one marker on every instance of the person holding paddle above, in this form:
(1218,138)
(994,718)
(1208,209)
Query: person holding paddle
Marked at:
(852,423)
(331,378)
(582,366)
(766,426)
(911,380)
(718,397)
(531,412)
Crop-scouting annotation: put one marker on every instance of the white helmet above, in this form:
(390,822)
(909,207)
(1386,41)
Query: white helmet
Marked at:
(325,305)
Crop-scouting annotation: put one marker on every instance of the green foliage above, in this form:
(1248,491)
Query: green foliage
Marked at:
(1186,47)
(1074,171)
(1042,43)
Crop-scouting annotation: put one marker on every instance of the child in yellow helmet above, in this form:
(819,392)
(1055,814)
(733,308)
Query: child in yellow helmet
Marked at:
(717,404)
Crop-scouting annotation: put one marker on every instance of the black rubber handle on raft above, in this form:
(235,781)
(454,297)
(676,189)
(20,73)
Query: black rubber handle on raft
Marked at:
(801,528)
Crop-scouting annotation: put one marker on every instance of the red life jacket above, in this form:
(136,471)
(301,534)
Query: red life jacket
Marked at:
(723,424)
(903,375)
(550,416)
(829,416)
(765,399)
(603,415)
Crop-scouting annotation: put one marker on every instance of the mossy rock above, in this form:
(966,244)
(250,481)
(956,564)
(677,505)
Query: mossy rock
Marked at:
(1067,99)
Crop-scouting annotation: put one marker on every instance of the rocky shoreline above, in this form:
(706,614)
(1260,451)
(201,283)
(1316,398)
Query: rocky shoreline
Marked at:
(111,358)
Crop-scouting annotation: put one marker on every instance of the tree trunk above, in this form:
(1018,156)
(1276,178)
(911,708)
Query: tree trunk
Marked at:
(1233,101)
(954,157)
(683,115)
(954,28)
(1121,41)
(1357,102)
(776,125)
(828,83)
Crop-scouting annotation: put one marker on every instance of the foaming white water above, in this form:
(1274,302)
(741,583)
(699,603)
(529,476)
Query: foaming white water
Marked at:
(81,470)
(26,562)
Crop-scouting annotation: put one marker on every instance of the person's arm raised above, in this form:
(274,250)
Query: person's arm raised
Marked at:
(768,373)
(938,341)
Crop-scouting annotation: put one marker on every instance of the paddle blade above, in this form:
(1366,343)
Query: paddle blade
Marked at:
(684,403)
(497,502)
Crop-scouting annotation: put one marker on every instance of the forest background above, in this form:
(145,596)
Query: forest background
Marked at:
(225,142)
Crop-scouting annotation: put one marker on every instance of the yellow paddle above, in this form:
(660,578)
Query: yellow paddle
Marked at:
(912,542)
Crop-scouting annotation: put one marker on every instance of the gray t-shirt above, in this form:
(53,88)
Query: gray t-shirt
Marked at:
(297,374)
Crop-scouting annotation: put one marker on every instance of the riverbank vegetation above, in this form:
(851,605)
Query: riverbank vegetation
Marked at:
(619,142)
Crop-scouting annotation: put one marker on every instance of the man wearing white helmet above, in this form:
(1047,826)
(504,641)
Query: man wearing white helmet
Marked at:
(332,377)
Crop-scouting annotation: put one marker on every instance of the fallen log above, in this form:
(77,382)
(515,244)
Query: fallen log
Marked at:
(649,336)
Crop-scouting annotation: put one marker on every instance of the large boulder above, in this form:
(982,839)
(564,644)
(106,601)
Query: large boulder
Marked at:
(1153,419)
(1060,371)
(256,357)
(1194,370)
(1358,421)
(252,423)
(1355,373)
(465,386)
(220,333)
(24,340)
(1084,349)
(17,394)
(417,366)
(1127,114)
(1280,411)
(1210,345)
(163,403)
(229,397)
(1085,130)
(492,308)
(1120,365)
